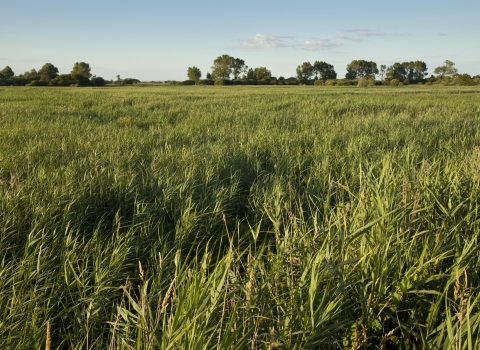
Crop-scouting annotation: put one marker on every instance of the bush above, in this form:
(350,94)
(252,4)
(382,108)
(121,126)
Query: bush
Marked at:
(319,83)
(362,82)
(37,83)
(222,81)
(99,81)
(406,82)
(465,80)
(330,82)
(395,82)
(205,82)
(188,82)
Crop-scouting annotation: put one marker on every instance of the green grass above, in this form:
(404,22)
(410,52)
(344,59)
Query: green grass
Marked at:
(240,218)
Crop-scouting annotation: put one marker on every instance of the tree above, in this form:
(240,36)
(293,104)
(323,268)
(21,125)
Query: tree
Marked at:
(250,74)
(415,70)
(262,74)
(324,71)
(361,69)
(222,67)
(48,72)
(383,71)
(194,73)
(238,67)
(305,71)
(7,72)
(81,68)
(32,75)
(397,71)
(209,76)
(448,70)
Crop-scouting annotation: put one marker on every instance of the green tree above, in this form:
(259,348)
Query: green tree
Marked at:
(397,71)
(361,69)
(305,71)
(32,75)
(48,72)
(262,74)
(238,67)
(417,70)
(250,74)
(222,67)
(448,70)
(194,73)
(7,72)
(81,68)
(324,70)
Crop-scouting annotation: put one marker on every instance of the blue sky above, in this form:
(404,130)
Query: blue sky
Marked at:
(159,40)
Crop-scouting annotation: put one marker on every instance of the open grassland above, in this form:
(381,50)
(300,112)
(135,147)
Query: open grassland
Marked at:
(240,218)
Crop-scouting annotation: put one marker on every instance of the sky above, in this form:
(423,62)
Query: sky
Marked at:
(158,40)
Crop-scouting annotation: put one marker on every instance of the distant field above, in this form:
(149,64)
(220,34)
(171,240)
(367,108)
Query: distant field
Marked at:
(163,217)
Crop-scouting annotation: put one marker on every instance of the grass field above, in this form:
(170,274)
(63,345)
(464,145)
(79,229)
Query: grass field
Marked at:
(240,218)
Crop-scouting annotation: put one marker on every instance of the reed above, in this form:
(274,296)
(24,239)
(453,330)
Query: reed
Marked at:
(239,217)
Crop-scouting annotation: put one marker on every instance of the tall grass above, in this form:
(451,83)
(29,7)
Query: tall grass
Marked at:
(245,217)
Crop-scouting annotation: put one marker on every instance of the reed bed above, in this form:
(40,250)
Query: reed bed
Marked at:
(239,218)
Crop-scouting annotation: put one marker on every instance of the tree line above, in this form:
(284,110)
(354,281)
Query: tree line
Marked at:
(48,75)
(227,70)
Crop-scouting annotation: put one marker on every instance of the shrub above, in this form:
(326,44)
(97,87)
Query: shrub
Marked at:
(406,82)
(395,82)
(319,83)
(465,80)
(37,83)
(363,82)
(330,82)
(222,81)
(205,82)
(188,82)
(99,81)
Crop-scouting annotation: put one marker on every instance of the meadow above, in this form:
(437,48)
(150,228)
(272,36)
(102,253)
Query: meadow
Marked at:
(189,217)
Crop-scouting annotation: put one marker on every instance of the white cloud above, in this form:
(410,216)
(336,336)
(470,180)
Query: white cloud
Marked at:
(317,44)
(362,34)
(262,41)
(346,37)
